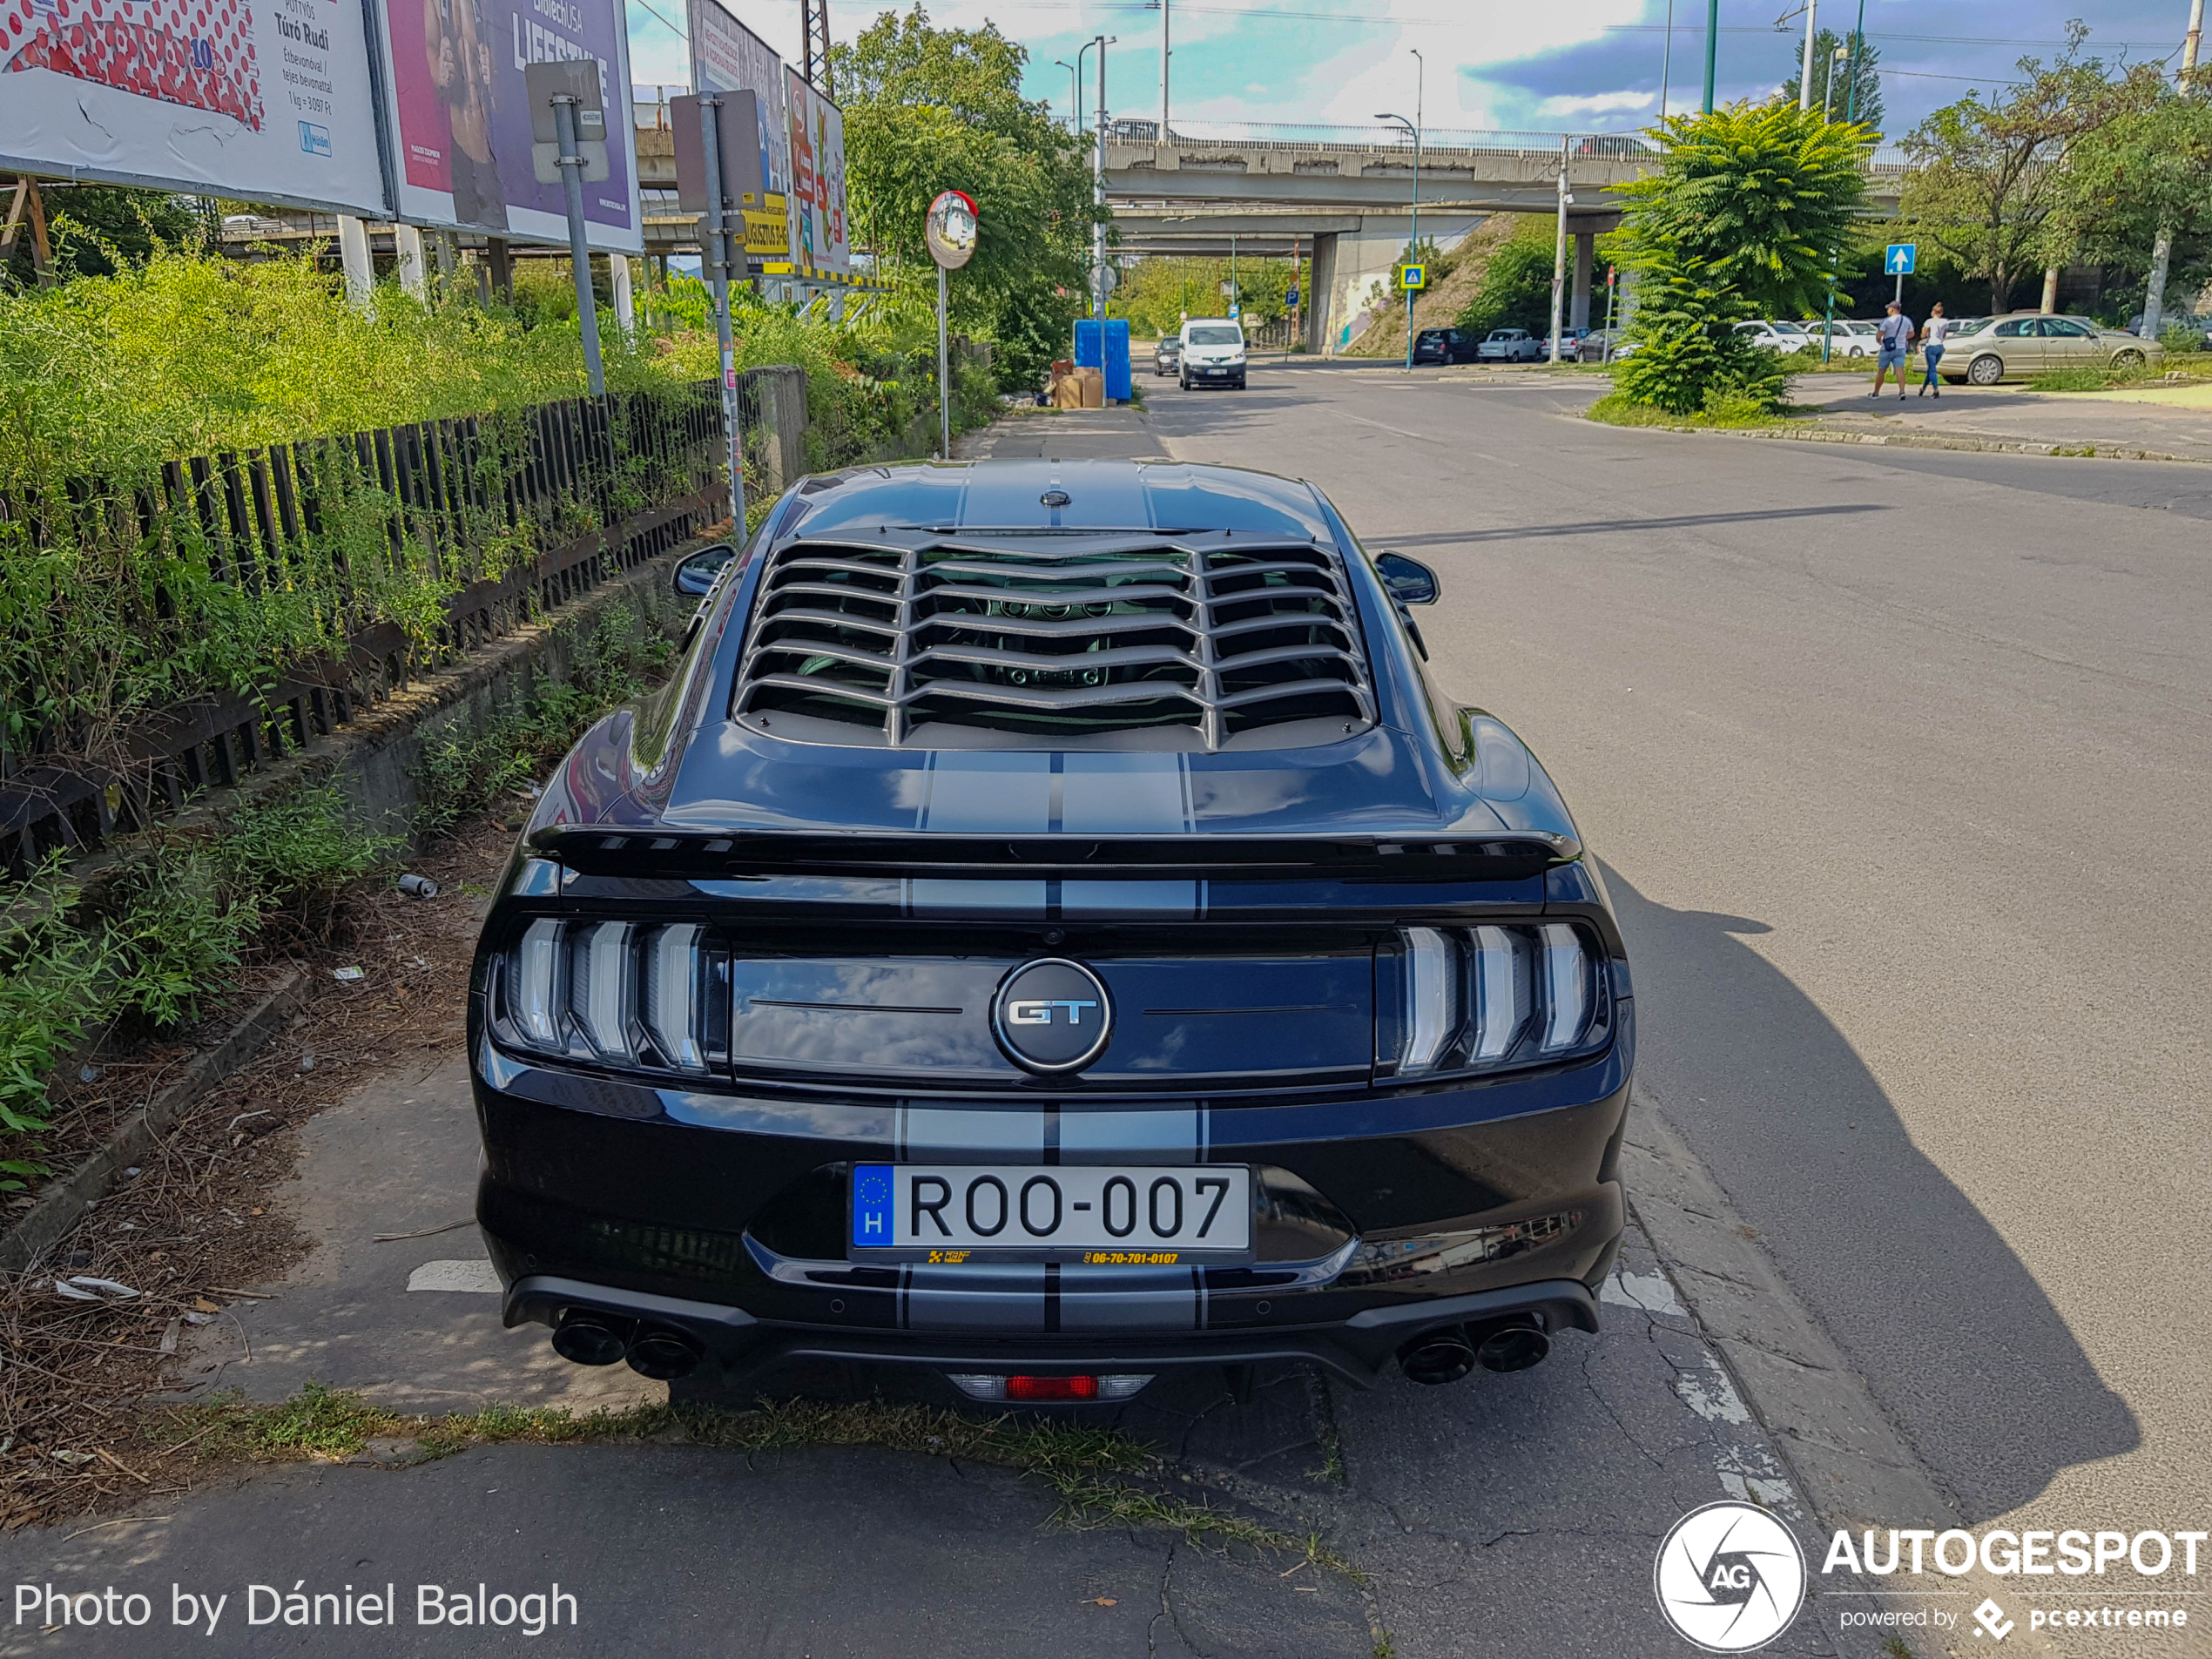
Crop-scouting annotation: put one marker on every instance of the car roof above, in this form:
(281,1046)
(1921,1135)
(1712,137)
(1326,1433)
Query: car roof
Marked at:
(1227,322)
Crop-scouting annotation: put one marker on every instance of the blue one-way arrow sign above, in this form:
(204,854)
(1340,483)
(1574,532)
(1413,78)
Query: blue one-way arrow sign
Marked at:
(1900,258)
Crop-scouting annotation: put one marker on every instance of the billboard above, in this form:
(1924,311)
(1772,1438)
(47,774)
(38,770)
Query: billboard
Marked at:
(818,244)
(267,100)
(726,57)
(460,116)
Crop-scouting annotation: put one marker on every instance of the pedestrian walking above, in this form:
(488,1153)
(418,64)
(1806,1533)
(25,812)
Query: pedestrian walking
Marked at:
(1896,336)
(1933,332)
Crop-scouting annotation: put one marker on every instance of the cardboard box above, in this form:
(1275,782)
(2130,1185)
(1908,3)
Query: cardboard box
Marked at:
(1093,382)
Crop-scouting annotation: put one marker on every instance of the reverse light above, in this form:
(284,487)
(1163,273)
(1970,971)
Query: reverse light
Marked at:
(1495,994)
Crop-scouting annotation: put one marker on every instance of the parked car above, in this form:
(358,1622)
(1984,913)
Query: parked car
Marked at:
(1846,336)
(1213,353)
(1509,346)
(1604,346)
(1569,339)
(1444,346)
(1167,356)
(1321,1052)
(1770,336)
(2024,342)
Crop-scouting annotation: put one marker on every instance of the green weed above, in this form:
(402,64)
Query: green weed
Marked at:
(299,855)
(1101,1476)
(51,972)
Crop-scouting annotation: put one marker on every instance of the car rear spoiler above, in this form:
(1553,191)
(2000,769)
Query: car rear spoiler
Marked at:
(1509,856)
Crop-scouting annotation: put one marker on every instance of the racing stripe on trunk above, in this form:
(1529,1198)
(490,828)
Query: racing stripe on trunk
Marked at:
(954,1135)
(1155,1134)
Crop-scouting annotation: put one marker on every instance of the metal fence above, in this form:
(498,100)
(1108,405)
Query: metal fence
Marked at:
(595,486)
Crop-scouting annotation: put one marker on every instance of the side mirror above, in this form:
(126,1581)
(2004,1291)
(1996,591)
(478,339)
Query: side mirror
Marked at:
(1410,581)
(695,574)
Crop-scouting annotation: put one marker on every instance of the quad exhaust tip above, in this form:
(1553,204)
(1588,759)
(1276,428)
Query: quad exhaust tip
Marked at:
(591,1338)
(1450,1352)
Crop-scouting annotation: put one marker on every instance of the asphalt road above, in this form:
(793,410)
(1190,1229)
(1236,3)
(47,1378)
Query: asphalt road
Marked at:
(1898,763)
(1893,763)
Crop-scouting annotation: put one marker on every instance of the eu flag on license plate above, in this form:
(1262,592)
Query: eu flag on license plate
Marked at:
(871,1205)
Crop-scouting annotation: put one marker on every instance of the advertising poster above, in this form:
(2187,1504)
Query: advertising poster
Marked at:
(461,118)
(818,243)
(268,100)
(726,57)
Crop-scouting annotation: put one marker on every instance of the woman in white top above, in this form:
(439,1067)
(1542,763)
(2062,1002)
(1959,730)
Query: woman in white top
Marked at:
(1933,332)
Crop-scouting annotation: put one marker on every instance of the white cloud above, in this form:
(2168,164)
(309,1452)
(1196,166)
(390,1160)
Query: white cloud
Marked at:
(1599,104)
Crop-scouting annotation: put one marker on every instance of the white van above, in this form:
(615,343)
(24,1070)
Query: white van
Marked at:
(1213,353)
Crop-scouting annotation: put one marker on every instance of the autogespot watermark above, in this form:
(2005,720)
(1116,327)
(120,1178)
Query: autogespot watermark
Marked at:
(1730,1578)
(530,1613)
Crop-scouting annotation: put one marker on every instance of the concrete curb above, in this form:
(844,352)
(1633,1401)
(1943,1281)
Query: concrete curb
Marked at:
(1937,441)
(1851,1465)
(66,1203)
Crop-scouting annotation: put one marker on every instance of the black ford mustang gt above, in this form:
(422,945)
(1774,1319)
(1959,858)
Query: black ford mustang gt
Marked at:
(1050,930)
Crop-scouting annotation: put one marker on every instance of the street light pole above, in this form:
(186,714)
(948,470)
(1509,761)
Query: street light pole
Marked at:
(1666,63)
(1712,47)
(1166,53)
(1075,91)
(1413,129)
(1851,118)
(1559,252)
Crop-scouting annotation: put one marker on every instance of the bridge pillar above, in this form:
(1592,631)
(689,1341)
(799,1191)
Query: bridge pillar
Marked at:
(1585,255)
(1321,293)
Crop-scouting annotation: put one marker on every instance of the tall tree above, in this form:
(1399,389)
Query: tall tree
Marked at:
(1988,182)
(1752,199)
(1865,67)
(929,110)
(2149,168)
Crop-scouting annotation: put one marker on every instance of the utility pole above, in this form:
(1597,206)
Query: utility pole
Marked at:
(1098,196)
(1559,252)
(814,20)
(1666,63)
(1166,53)
(1850,117)
(2162,252)
(1804,74)
(1712,47)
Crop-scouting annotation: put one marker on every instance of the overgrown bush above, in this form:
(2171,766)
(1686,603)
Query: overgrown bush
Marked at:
(1687,358)
(296,857)
(51,972)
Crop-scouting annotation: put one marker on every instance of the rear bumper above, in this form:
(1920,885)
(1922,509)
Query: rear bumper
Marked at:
(724,1212)
(1359,1350)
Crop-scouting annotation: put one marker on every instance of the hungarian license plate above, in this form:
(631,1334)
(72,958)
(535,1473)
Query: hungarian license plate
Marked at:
(1138,1214)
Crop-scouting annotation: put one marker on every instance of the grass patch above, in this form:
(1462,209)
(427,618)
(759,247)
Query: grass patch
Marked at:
(1101,1476)
(2091,378)
(1615,409)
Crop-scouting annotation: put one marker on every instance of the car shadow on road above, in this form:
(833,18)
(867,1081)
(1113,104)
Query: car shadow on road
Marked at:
(1949,1328)
(1606,526)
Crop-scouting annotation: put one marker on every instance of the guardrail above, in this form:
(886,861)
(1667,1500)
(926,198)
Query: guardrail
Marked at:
(595,486)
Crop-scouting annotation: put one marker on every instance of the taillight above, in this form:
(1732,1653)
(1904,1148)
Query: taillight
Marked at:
(1495,995)
(643,993)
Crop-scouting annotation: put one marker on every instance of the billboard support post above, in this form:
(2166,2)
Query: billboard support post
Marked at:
(587,308)
(718,268)
(352,253)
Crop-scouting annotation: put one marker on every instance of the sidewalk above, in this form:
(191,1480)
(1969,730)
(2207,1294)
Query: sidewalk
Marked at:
(2170,422)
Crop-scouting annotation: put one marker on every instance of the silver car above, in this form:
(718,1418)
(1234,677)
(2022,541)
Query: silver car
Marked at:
(1508,346)
(2024,343)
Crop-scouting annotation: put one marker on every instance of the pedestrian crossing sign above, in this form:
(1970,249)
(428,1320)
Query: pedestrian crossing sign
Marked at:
(1898,260)
(1413,276)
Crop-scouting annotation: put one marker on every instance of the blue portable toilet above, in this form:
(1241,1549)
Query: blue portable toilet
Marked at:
(1113,361)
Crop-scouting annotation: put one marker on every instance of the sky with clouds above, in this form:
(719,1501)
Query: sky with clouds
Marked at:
(1588,66)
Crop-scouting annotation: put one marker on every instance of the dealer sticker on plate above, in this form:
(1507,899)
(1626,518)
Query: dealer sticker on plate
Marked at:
(1109,1214)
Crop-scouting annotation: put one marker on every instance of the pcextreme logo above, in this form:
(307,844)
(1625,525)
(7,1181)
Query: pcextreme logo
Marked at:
(1730,1578)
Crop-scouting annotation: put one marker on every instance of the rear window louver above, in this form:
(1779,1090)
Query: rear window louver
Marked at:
(1201,640)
